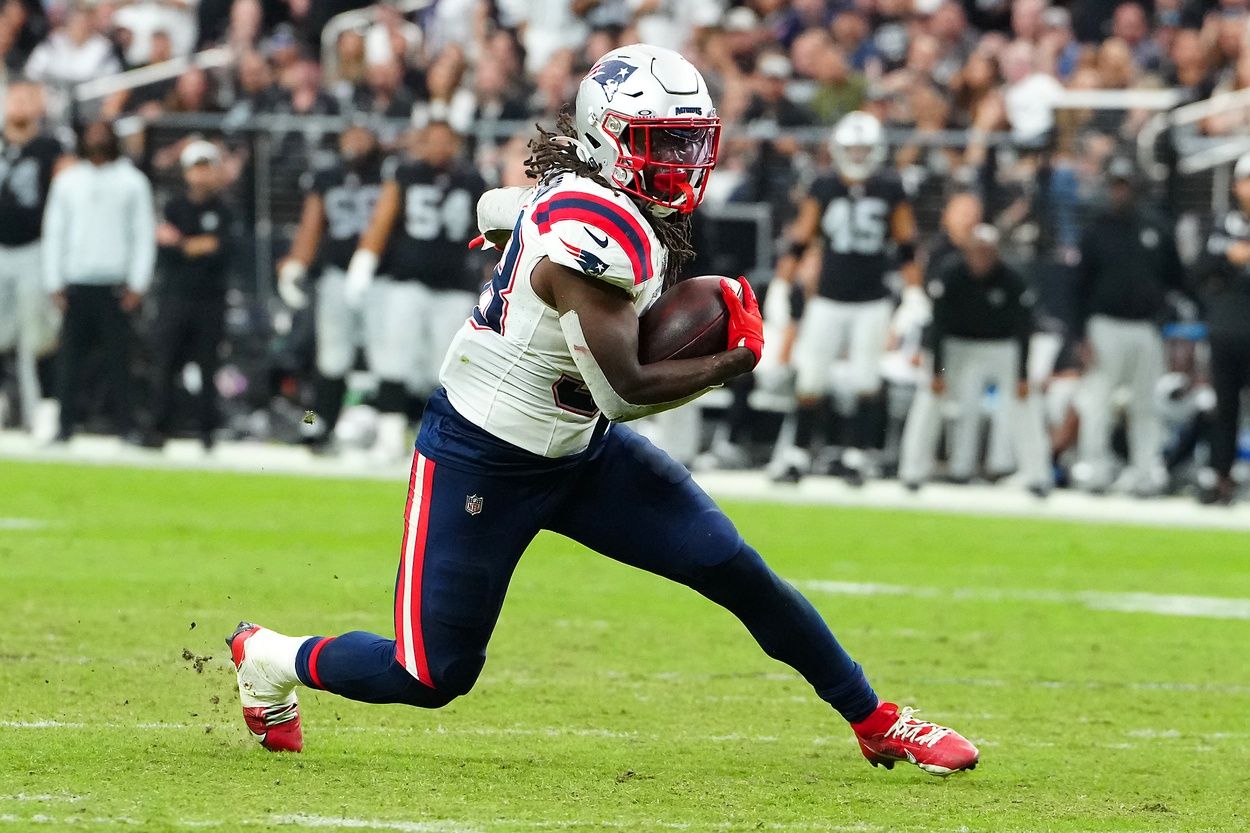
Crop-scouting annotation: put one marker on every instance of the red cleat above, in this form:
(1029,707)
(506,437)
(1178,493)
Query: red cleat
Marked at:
(892,734)
(270,707)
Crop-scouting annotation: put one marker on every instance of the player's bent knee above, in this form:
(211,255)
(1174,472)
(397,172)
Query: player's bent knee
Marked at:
(743,575)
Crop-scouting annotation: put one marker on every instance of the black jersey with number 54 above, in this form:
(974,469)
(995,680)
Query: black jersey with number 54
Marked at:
(348,196)
(437,219)
(25,175)
(855,225)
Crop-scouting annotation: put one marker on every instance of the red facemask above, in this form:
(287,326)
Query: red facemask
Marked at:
(670,158)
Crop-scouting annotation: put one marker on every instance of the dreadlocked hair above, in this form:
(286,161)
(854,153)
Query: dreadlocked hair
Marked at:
(552,154)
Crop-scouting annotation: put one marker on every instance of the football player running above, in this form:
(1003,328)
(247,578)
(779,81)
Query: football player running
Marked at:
(525,433)
(861,215)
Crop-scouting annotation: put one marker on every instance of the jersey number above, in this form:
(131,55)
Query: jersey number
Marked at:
(855,226)
(430,214)
(348,210)
(22,180)
(573,396)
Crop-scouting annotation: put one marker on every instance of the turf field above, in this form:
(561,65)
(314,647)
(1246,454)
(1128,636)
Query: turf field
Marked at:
(611,700)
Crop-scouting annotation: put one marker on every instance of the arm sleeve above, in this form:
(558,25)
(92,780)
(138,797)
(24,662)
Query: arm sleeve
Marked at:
(54,243)
(143,236)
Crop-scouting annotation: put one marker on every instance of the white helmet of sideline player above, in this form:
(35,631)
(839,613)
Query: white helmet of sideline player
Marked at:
(645,117)
(858,146)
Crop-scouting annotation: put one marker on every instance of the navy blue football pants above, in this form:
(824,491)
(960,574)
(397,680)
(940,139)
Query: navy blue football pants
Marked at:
(475,504)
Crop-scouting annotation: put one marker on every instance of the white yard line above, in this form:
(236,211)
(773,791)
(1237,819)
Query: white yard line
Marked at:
(22,524)
(1003,501)
(1207,607)
(314,822)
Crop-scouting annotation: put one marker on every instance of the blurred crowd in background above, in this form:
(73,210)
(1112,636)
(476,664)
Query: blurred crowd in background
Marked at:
(973,96)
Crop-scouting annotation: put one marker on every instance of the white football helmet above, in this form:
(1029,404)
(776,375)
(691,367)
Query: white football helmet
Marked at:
(858,146)
(645,117)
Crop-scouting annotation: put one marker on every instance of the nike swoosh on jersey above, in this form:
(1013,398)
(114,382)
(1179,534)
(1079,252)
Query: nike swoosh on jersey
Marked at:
(603,244)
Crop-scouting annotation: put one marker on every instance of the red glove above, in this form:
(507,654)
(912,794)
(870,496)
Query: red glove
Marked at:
(746,325)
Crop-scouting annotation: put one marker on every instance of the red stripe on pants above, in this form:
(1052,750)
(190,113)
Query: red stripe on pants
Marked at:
(312,662)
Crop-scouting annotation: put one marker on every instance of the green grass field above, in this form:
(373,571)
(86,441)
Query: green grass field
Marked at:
(611,700)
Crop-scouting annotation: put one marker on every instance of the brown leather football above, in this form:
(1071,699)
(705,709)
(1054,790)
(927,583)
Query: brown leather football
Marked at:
(687,321)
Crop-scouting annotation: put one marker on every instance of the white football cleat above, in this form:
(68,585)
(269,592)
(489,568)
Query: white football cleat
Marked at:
(267,692)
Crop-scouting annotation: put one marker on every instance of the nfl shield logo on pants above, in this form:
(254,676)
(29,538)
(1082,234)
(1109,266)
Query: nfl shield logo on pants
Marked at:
(473,504)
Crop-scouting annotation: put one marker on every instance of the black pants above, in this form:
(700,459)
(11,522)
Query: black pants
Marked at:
(93,316)
(187,330)
(1230,373)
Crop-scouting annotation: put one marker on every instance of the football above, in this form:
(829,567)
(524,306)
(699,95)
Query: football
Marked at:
(688,321)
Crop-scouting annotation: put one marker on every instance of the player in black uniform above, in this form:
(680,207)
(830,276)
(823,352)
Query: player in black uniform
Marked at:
(192,307)
(28,320)
(425,218)
(338,202)
(867,228)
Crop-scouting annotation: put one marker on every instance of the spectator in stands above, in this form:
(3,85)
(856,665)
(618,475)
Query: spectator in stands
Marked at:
(1130,24)
(255,91)
(174,19)
(382,93)
(148,99)
(1129,265)
(192,93)
(890,34)
(948,25)
(99,249)
(1224,280)
(547,27)
(23,26)
(447,100)
(73,53)
(554,86)
(1057,44)
(243,32)
(349,66)
(494,95)
(1189,64)
(838,90)
(305,95)
(192,306)
(852,34)
(1029,94)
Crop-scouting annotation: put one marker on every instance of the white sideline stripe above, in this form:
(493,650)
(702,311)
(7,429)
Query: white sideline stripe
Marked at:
(337,823)
(1208,607)
(312,822)
(49,798)
(22,524)
(975,500)
(1201,740)
(344,823)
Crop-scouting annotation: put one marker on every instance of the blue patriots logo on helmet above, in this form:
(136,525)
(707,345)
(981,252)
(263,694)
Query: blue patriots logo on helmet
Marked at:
(611,75)
(590,264)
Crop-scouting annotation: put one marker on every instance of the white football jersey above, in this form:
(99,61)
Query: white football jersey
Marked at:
(509,370)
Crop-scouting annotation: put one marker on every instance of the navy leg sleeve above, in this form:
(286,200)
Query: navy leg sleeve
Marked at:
(636,505)
(362,666)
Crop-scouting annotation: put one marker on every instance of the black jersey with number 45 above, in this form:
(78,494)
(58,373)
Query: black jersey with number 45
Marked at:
(437,219)
(348,196)
(25,175)
(855,225)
